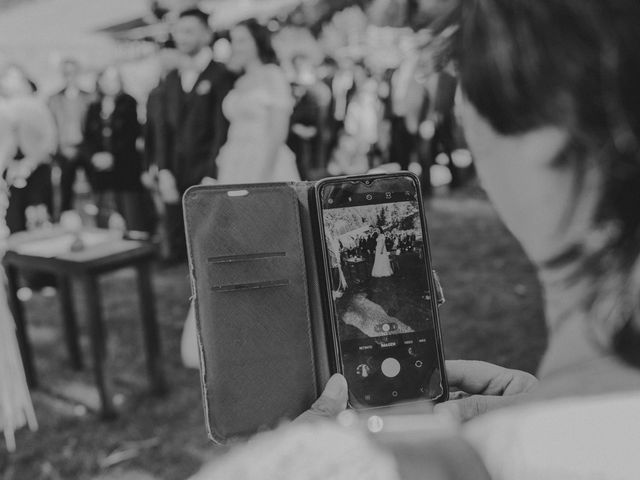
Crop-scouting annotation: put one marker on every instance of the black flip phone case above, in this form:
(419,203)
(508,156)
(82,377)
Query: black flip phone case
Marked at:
(259,304)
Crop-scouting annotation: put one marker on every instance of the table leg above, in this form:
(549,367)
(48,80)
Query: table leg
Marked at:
(22,334)
(98,343)
(150,328)
(69,319)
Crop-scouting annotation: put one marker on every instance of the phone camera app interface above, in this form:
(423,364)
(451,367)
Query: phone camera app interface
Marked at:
(380,291)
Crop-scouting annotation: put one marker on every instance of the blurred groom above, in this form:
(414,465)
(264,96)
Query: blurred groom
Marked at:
(195,127)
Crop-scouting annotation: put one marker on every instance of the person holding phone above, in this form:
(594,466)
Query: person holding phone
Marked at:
(552,115)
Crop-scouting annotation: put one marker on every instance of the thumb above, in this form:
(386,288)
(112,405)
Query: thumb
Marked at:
(470,407)
(332,401)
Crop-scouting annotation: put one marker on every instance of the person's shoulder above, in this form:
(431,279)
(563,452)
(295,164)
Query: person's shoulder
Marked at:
(601,431)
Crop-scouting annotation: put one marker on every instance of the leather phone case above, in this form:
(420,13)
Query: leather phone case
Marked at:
(259,304)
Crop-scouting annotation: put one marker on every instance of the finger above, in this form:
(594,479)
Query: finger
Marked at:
(478,377)
(467,408)
(332,401)
(470,375)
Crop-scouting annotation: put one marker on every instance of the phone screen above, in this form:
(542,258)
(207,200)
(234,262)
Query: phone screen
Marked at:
(382,298)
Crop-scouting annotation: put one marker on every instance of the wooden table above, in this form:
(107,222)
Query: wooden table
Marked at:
(48,251)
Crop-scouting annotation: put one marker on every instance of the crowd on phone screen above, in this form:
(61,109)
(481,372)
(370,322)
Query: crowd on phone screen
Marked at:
(251,117)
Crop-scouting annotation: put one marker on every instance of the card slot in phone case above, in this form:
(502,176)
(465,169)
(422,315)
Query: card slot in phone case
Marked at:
(255,328)
(247,257)
(236,287)
(256,271)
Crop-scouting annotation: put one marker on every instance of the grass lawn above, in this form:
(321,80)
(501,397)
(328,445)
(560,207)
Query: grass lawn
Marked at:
(493,312)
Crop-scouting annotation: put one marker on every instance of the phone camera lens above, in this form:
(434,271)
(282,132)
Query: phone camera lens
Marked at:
(367,182)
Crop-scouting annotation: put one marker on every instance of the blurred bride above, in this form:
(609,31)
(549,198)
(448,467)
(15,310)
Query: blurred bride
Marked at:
(381,264)
(258,109)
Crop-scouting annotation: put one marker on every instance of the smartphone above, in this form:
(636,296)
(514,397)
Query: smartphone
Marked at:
(381,296)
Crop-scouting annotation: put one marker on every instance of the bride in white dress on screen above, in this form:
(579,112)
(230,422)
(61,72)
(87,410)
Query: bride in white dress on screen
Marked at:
(258,109)
(381,264)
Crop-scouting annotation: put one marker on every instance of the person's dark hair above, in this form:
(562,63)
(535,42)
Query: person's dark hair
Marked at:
(262,36)
(574,64)
(196,13)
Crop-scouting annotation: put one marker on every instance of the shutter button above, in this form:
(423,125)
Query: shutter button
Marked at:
(390,367)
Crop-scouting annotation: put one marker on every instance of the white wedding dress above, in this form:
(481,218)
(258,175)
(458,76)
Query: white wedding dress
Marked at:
(249,107)
(381,264)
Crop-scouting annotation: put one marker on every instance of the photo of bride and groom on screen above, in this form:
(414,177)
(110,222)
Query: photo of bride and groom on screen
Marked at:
(378,278)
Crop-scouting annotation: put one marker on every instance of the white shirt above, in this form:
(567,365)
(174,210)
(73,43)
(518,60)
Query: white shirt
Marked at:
(193,67)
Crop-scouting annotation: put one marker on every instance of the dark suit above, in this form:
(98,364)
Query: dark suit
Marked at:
(155,141)
(195,126)
(195,130)
(69,115)
(311,110)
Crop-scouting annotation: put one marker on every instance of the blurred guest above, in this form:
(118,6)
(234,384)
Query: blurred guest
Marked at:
(28,149)
(326,73)
(195,127)
(310,130)
(155,140)
(355,146)
(553,121)
(114,165)
(258,109)
(156,144)
(439,124)
(343,88)
(69,107)
(402,137)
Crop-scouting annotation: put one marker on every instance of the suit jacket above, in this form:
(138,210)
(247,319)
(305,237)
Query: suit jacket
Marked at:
(116,135)
(155,141)
(195,127)
(311,109)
